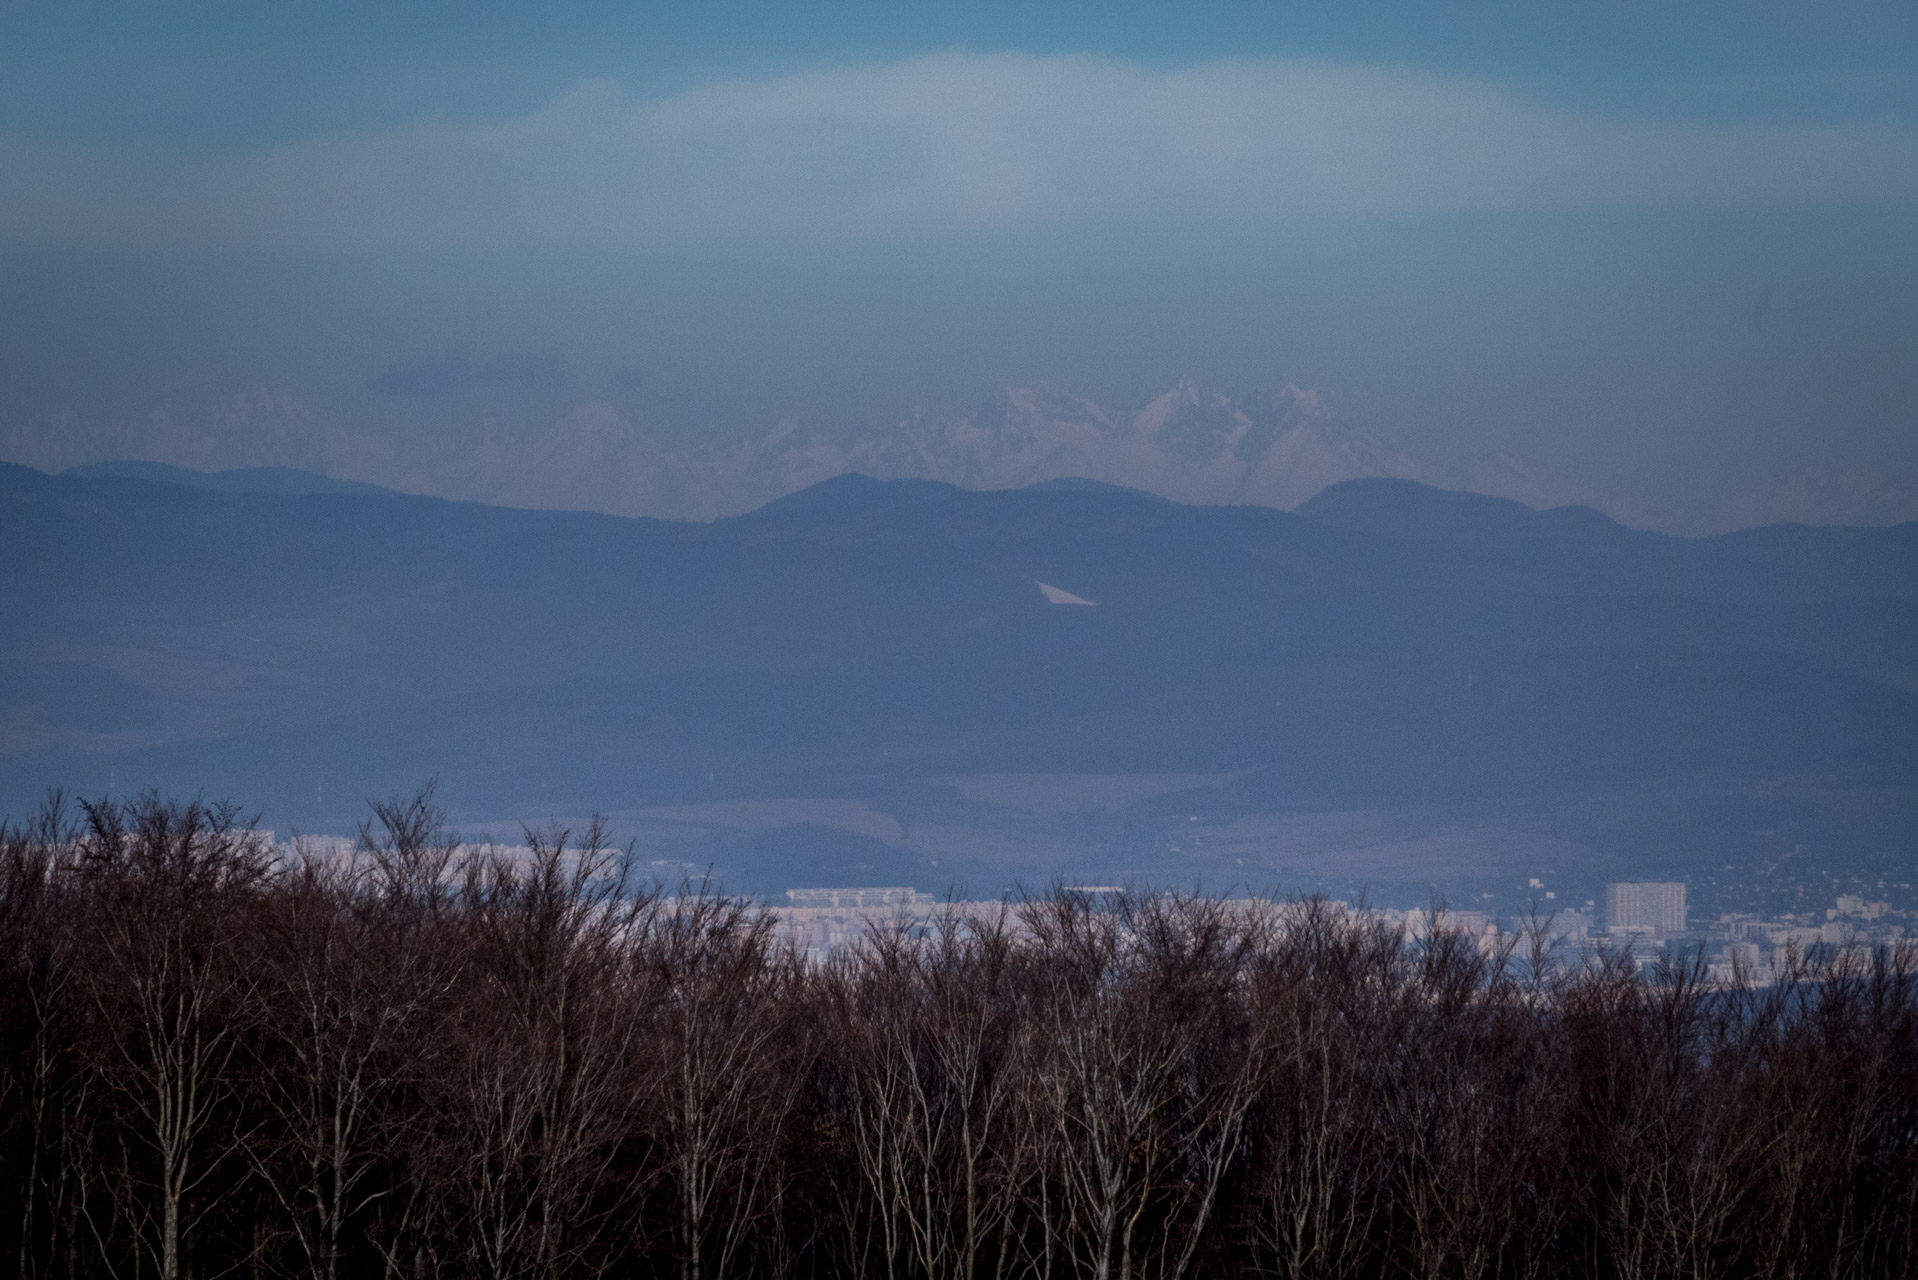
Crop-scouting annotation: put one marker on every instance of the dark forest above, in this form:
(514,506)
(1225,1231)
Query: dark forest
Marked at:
(423,1060)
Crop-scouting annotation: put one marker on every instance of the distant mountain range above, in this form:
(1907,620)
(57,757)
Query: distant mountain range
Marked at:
(906,682)
(1191,445)
(1273,449)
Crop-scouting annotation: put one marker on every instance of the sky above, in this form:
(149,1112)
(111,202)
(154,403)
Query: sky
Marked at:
(1665,252)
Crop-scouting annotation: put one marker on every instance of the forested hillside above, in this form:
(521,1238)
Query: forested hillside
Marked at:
(1390,648)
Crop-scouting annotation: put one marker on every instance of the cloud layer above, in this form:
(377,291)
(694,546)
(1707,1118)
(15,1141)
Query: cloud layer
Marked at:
(935,143)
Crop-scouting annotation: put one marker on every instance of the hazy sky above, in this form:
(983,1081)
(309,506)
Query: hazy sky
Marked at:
(1662,249)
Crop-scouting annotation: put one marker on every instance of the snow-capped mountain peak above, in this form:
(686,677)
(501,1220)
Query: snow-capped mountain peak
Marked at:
(1192,444)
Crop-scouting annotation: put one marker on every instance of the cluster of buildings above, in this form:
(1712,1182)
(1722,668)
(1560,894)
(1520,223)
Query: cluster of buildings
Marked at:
(1752,949)
(822,921)
(1644,919)
(1744,949)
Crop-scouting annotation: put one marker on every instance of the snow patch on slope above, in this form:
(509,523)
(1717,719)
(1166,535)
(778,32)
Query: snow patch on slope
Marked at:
(1056,596)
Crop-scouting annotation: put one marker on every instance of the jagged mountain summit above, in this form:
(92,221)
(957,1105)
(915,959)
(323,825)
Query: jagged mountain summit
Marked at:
(1189,444)
(1273,449)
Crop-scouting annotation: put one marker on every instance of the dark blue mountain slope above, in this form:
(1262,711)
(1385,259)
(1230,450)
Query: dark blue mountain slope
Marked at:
(1389,645)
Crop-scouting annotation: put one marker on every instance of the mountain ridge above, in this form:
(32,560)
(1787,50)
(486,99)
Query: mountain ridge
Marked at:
(1190,444)
(865,638)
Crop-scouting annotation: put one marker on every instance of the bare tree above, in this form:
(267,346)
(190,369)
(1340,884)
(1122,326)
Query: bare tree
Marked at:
(1147,1074)
(355,981)
(42,1090)
(725,1077)
(543,1097)
(1324,988)
(169,987)
(929,1031)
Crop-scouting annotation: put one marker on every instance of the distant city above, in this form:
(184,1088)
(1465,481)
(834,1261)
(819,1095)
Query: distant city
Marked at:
(1650,919)
(1647,919)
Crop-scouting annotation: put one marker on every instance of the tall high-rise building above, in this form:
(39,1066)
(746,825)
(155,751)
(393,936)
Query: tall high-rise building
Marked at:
(1646,904)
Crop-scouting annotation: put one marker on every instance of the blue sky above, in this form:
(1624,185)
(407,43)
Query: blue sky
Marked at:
(1663,250)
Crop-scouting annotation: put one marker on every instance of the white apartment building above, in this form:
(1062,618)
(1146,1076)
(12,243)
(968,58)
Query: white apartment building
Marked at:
(1646,904)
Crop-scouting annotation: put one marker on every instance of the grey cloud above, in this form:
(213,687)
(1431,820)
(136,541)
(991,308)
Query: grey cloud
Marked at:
(426,379)
(946,141)
(459,371)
